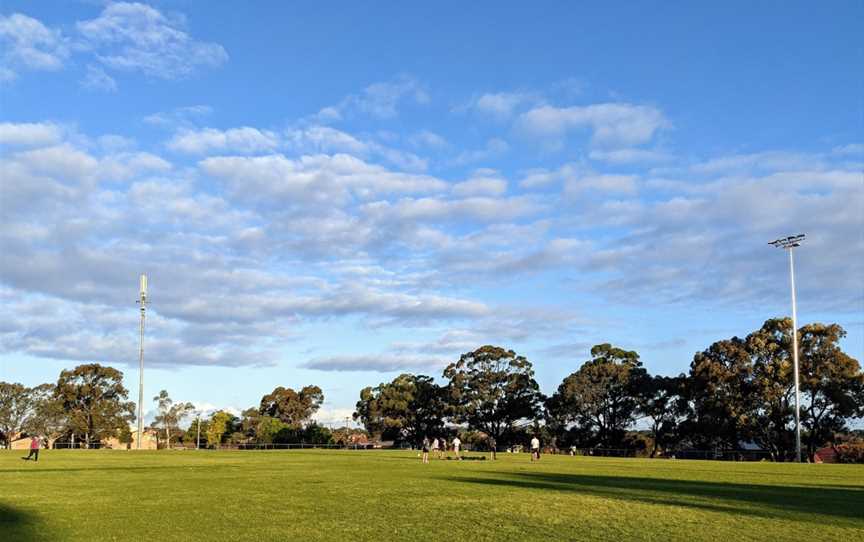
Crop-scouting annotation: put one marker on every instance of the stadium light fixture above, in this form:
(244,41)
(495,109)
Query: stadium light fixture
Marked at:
(789,244)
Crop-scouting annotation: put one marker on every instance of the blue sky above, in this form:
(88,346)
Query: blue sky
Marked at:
(334,193)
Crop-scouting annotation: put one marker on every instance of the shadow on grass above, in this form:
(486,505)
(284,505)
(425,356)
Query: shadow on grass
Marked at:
(18,525)
(765,501)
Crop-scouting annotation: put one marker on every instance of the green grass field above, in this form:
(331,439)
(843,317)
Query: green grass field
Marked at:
(383,495)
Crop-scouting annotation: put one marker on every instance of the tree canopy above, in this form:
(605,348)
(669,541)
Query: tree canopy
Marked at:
(291,407)
(170,415)
(17,405)
(600,397)
(492,389)
(95,401)
(410,407)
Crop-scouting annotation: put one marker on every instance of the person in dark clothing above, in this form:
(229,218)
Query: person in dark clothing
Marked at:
(34,449)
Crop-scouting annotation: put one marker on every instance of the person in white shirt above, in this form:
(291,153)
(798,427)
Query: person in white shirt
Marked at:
(535,449)
(435,448)
(456,444)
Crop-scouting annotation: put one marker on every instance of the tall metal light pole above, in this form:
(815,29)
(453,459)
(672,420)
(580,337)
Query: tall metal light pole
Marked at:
(789,244)
(143,302)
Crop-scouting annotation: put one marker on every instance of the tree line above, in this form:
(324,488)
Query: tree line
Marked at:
(737,391)
(89,404)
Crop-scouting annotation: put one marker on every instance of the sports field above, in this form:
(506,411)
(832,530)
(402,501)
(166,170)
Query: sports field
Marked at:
(382,495)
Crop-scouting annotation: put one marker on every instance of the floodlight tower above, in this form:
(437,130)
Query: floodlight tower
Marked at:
(789,244)
(143,302)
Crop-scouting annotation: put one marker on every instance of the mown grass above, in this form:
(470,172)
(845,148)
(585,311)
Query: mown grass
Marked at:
(382,495)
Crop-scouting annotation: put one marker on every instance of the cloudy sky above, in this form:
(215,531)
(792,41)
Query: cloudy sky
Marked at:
(333,193)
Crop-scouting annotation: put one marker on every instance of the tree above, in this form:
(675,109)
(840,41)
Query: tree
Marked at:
(491,389)
(718,395)
(220,423)
(194,431)
(832,384)
(95,400)
(267,429)
(170,414)
(743,390)
(769,400)
(317,434)
(600,397)
(16,406)
(49,417)
(291,407)
(261,428)
(368,411)
(412,406)
(662,400)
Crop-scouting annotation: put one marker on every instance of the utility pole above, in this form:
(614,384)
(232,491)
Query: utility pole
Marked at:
(788,244)
(143,302)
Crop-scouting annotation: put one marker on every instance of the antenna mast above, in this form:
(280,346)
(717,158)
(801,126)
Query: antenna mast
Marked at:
(143,302)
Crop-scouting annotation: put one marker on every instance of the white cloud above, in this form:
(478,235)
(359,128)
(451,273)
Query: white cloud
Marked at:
(764,161)
(541,177)
(483,209)
(97,79)
(180,116)
(137,37)
(608,184)
(629,156)
(29,44)
(324,139)
(115,143)
(128,165)
(286,242)
(612,124)
(381,100)
(379,363)
(62,160)
(7,75)
(317,138)
(244,140)
(29,134)
(319,178)
(427,139)
(854,149)
(483,183)
(501,105)
(494,148)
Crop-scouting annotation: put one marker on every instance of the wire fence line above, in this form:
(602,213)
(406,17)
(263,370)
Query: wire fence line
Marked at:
(715,455)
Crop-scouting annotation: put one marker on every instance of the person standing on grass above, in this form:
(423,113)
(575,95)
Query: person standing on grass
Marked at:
(535,449)
(425,449)
(435,449)
(34,449)
(456,444)
(492,446)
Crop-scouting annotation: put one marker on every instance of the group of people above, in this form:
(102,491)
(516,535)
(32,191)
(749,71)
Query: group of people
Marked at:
(439,448)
